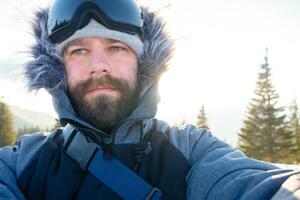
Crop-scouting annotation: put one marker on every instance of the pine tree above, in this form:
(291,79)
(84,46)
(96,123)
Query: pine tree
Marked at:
(294,123)
(265,134)
(35,129)
(28,130)
(56,125)
(202,119)
(7,134)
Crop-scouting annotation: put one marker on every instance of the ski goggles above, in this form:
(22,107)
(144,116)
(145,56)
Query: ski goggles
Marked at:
(67,16)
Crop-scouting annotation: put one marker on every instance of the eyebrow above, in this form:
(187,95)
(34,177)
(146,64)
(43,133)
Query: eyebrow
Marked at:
(72,43)
(109,41)
(79,41)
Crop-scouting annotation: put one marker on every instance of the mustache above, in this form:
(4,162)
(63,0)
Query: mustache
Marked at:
(105,81)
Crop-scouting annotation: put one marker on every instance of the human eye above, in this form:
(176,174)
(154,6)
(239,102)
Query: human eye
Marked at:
(117,47)
(78,51)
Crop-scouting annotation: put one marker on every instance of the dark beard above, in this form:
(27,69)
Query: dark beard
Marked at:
(105,111)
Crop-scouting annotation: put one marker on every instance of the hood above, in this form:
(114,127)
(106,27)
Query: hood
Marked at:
(46,69)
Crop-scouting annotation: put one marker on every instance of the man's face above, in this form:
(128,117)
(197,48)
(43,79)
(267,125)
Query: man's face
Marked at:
(102,80)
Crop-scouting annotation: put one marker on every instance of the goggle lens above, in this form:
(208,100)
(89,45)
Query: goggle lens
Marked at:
(67,16)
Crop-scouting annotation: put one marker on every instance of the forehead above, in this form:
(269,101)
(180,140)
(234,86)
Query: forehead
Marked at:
(90,40)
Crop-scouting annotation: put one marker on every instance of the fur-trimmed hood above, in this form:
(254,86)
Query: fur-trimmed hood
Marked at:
(46,69)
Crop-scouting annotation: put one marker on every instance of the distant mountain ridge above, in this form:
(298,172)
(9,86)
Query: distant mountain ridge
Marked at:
(27,118)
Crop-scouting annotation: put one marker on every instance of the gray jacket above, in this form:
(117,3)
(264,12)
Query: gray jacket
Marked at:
(217,170)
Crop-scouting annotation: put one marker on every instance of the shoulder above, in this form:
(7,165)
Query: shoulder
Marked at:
(191,141)
(18,157)
(15,159)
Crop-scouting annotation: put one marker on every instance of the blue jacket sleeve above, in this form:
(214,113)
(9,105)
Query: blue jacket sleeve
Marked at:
(8,181)
(13,160)
(221,172)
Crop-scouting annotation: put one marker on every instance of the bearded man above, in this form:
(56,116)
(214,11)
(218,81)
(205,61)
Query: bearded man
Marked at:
(101,61)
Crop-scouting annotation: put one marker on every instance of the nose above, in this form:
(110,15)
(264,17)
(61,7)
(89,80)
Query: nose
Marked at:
(99,62)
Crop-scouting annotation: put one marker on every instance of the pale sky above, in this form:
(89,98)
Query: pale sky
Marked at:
(220,45)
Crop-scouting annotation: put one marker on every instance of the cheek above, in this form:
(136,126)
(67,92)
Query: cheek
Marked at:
(128,68)
(75,72)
